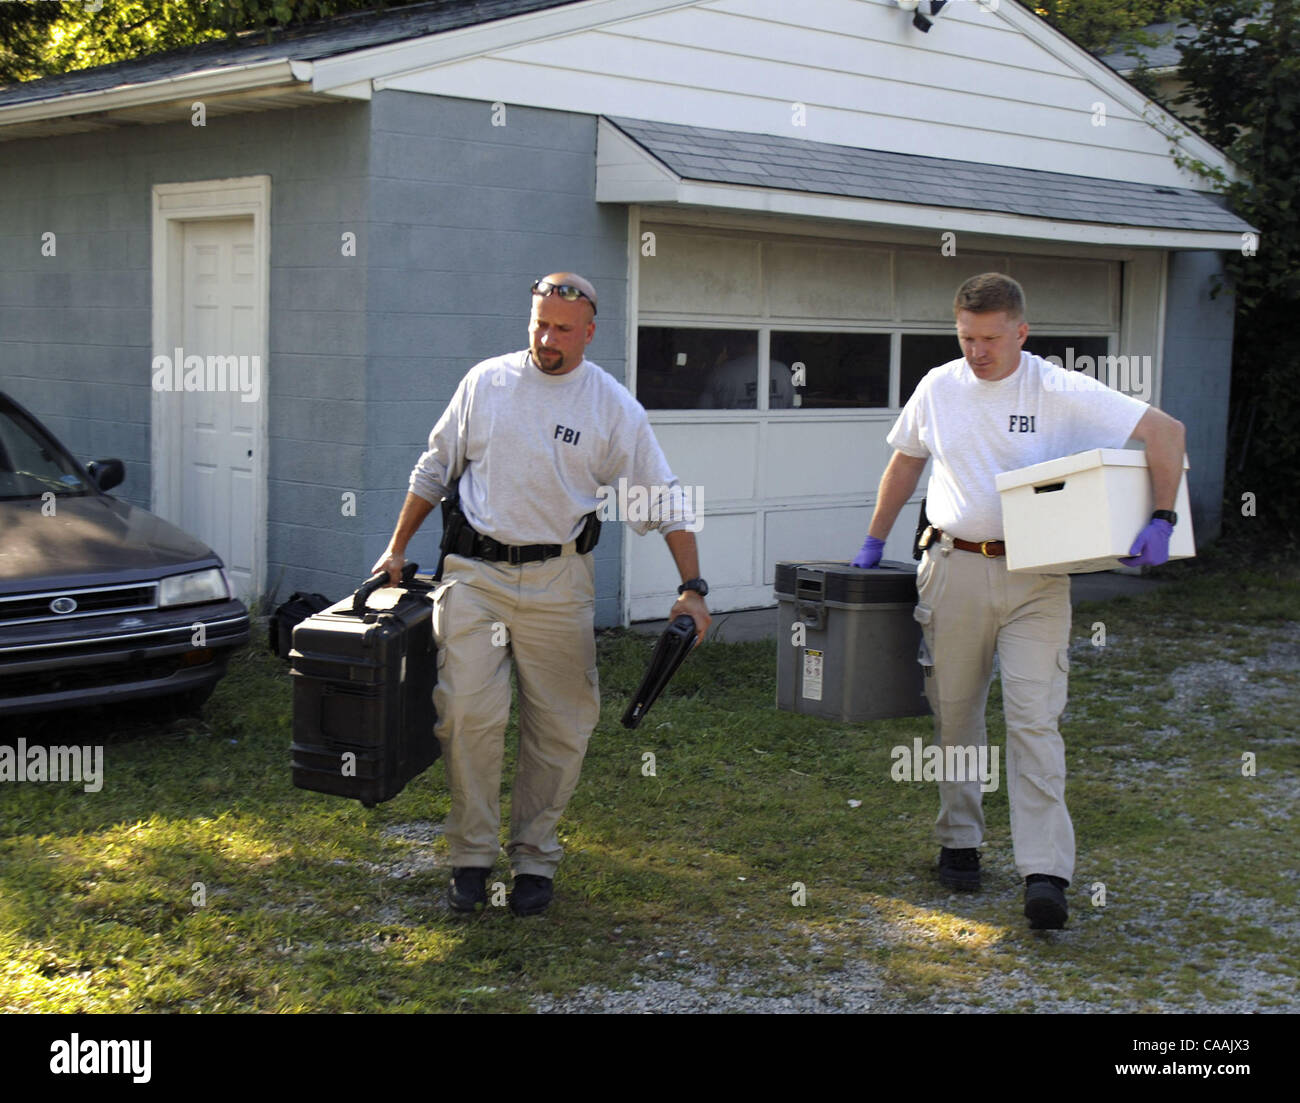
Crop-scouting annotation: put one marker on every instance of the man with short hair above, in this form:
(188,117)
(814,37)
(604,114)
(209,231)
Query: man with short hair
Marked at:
(532,437)
(996,409)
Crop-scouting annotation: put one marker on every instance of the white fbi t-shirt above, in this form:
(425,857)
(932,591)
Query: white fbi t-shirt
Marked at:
(536,451)
(976,429)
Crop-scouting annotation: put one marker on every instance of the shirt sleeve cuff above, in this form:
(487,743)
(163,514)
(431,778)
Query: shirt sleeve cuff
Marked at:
(423,485)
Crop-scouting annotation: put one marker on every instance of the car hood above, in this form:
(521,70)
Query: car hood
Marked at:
(90,541)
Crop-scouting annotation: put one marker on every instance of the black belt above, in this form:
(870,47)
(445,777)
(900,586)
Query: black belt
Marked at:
(515,554)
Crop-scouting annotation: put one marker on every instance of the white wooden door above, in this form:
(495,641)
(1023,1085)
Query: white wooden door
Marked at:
(219,422)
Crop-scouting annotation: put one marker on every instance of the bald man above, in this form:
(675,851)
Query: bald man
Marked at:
(532,437)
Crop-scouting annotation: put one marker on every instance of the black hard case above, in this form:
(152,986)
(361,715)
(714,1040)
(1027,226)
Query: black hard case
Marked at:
(363,684)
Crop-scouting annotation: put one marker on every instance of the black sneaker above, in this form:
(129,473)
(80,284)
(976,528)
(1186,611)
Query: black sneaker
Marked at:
(1045,906)
(960,869)
(467,892)
(531,894)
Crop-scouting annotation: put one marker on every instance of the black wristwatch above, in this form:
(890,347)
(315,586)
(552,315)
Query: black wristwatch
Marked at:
(697,584)
(1165,515)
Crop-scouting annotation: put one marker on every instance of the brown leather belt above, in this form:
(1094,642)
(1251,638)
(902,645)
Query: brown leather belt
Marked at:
(990,549)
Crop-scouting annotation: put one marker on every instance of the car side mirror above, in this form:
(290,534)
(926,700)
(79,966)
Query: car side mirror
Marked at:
(106,474)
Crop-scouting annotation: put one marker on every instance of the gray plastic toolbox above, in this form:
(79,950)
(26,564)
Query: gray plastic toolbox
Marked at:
(855,657)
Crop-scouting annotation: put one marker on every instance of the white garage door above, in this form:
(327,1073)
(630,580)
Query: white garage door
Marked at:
(774,366)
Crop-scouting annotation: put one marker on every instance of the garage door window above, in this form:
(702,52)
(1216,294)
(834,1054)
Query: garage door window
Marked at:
(685,368)
(681,368)
(830,370)
(922,351)
(1075,353)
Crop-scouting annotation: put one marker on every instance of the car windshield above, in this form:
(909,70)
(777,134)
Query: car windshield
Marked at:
(31,464)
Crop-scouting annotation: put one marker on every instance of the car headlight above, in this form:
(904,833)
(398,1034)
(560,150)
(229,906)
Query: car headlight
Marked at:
(193,588)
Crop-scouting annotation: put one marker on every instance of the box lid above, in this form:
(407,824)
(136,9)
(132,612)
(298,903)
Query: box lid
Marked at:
(831,580)
(1071,465)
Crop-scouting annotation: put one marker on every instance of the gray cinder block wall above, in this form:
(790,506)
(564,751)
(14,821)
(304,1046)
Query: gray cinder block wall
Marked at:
(75,330)
(454,217)
(470,202)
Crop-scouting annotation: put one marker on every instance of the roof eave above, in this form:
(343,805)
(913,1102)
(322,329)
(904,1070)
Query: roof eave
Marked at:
(692,193)
(279,75)
(627,172)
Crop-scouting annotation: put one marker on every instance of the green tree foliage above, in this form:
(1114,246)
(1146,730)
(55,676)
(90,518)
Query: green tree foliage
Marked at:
(1117,26)
(1242,66)
(1098,25)
(41,39)
(1243,69)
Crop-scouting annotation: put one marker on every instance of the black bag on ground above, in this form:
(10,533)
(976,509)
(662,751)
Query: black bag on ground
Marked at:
(279,629)
(363,683)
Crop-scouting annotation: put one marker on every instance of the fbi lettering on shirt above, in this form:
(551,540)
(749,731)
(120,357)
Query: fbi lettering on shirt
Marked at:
(1022,423)
(567,435)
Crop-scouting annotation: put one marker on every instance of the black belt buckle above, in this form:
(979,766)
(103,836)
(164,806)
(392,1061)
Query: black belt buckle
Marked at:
(514,554)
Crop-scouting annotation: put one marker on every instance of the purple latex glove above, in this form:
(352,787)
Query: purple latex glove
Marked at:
(1151,548)
(870,554)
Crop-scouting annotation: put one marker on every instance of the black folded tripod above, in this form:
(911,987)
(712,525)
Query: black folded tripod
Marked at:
(670,652)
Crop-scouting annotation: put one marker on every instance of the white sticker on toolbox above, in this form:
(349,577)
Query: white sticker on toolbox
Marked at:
(812,675)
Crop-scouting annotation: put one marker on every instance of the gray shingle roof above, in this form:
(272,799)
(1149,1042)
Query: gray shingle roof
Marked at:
(1172,36)
(1167,53)
(792,164)
(307,42)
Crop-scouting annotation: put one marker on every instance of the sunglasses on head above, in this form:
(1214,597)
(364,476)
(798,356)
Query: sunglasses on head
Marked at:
(566,291)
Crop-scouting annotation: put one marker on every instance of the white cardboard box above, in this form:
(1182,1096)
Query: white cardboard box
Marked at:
(1082,513)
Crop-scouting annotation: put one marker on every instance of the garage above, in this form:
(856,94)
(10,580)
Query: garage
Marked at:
(776,206)
(773,365)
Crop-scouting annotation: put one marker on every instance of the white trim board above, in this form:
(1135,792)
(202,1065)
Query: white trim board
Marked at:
(803,228)
(937,219)
(209,82)
(632,314)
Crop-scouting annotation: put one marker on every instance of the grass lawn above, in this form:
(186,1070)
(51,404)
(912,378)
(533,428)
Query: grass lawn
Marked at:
(199,879)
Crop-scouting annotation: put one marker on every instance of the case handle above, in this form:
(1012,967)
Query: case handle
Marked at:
(376,581)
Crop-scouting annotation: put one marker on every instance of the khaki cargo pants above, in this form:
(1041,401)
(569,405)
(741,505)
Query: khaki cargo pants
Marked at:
(970,607)
(541,614)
